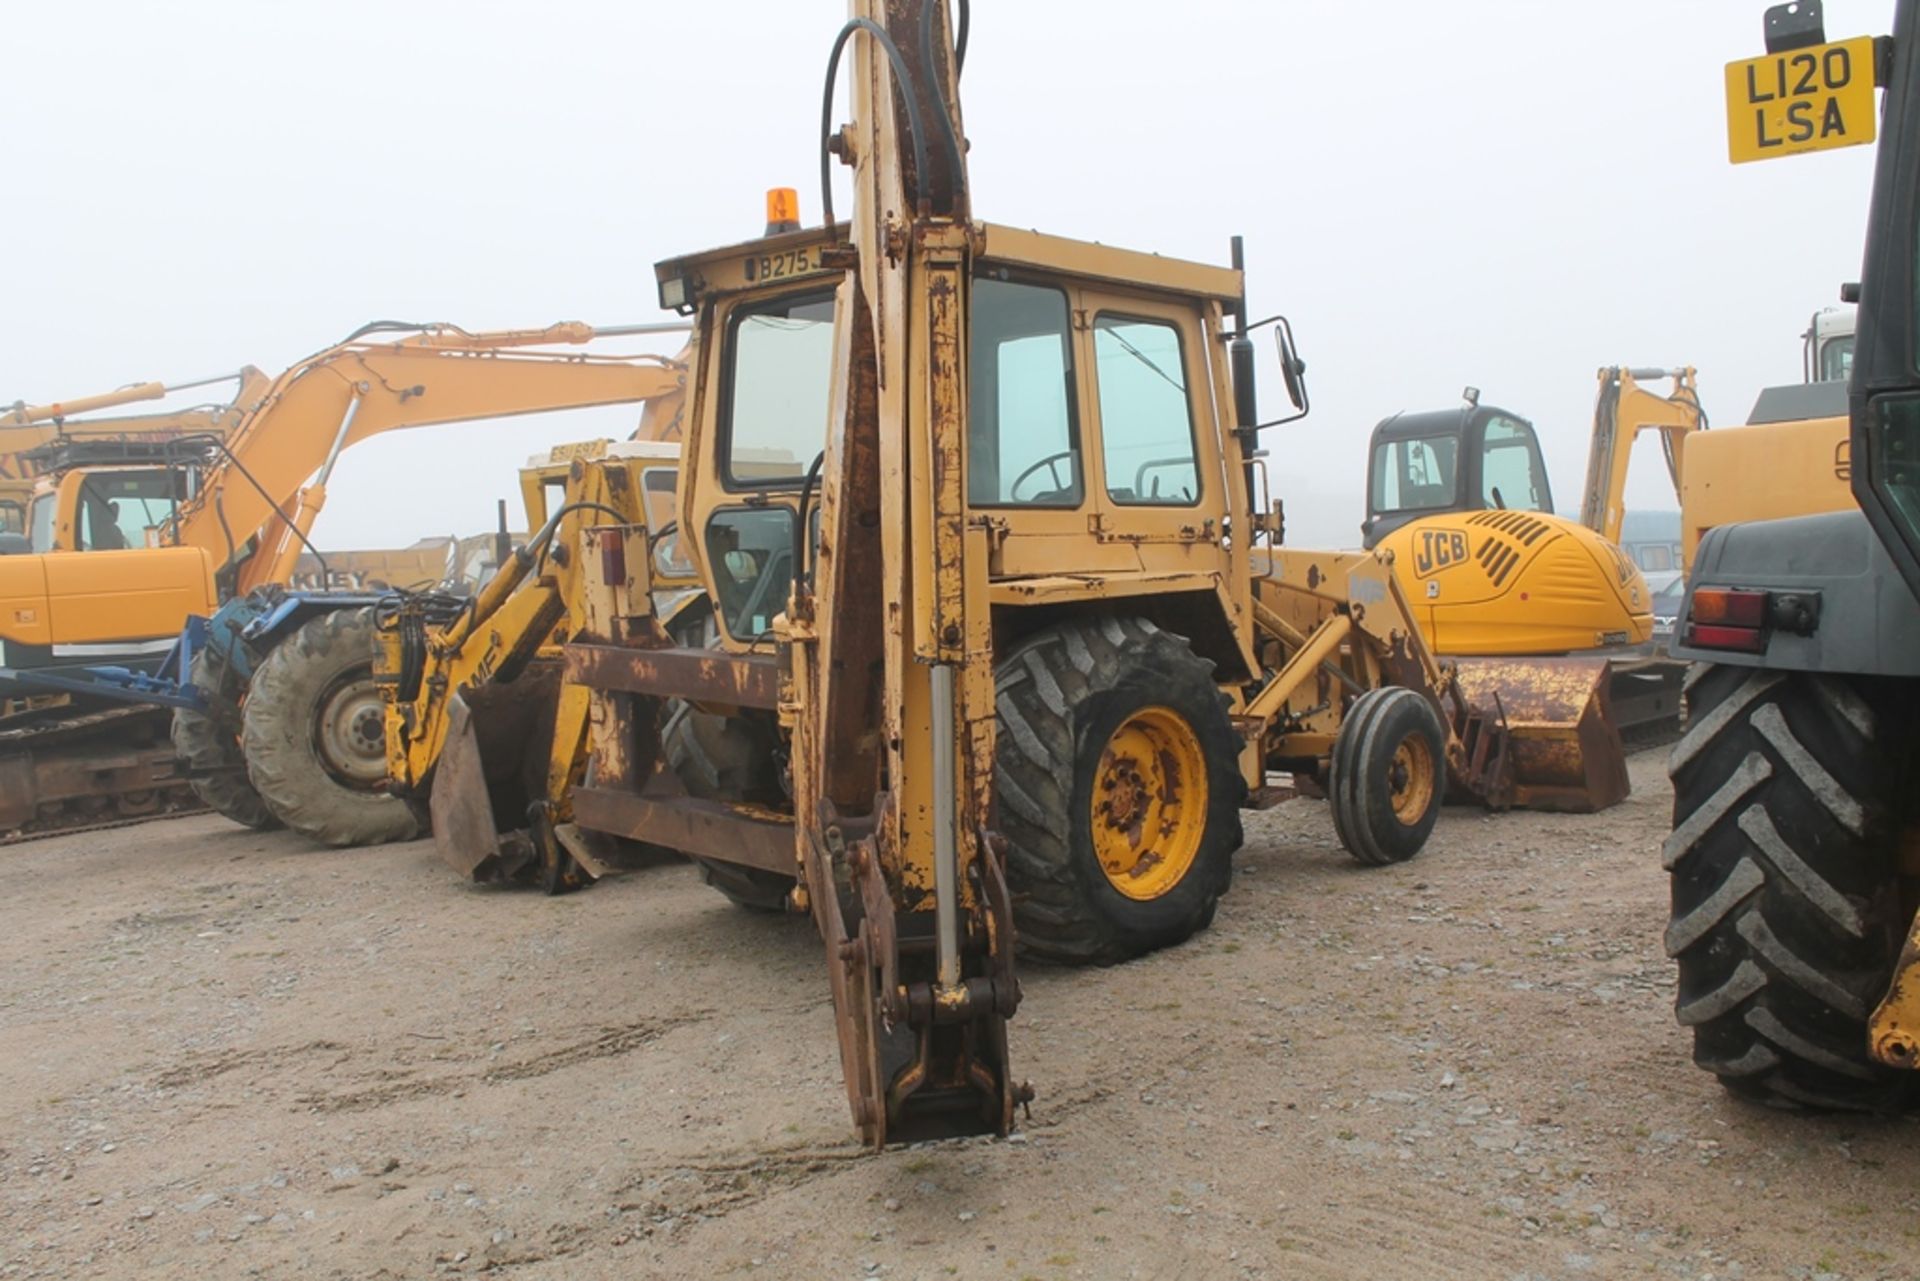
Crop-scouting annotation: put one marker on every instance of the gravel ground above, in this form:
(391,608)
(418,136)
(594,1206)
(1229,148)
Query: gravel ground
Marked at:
(225,1054)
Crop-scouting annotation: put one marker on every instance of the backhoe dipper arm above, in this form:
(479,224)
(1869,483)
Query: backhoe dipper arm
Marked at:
(271,483)
(1622,411)
(899,587)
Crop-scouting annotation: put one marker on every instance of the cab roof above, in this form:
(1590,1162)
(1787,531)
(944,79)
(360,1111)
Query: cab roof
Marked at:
(1440,422)
(797,254)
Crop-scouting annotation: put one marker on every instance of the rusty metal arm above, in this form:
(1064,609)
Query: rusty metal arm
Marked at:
(1314,650)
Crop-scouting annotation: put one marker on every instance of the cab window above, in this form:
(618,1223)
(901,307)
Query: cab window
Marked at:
(117,510)
(1146,419)
(1836,359)
(659,498)
(553,494)
(751,552)
(1023,443)
(1414,474)
(779,372)
(40,518)
(1512,474)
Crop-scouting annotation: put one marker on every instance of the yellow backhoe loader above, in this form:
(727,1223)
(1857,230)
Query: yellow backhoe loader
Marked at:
(94,622)
(1001,640)
(487,673)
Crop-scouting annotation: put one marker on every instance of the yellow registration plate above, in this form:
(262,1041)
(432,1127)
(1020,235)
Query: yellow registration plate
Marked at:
(1802,100)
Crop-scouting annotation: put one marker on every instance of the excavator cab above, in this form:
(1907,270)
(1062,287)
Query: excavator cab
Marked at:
(1474,458)
(111,495)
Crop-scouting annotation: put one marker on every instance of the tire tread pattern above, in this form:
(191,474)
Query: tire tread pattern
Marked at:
(1786,910)
(221,780)
(1039,685)
(277,737)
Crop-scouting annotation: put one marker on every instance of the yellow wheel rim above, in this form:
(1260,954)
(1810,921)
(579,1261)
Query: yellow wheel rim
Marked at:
(1410,779)
(1149,803)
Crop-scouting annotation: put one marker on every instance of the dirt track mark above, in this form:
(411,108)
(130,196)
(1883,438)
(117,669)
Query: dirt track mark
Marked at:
(394,1086)
(609,1043)
(204,1067)
(713,1188)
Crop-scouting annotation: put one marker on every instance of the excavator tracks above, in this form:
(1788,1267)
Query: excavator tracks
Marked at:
(107,768)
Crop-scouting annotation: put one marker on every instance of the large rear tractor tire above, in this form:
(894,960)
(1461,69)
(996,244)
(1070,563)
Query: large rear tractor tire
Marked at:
(314,732)
(1387,775)
(212,750)
(1787,910)
(1118,788)
(728,758)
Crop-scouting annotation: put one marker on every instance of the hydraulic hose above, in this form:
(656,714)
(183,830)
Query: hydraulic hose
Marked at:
(915,126)
(806,503)
(949,137)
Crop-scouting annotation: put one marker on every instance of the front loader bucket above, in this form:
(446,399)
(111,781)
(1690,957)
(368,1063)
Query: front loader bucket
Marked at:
(1538,733)
(491,768)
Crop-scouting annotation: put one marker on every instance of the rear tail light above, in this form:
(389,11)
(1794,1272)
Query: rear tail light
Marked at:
(1745,640)
(1724,618)
(1729,607)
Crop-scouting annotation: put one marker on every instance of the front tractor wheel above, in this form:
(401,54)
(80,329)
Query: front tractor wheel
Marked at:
(314,733)
(1387,775)
(1117,786)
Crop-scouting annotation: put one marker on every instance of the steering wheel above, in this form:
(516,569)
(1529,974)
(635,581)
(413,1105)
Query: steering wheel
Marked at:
(1052,463)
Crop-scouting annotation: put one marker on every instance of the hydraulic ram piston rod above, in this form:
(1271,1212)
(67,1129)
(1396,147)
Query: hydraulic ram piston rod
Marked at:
(946,855)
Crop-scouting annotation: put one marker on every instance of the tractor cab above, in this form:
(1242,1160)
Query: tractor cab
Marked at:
(1473,458)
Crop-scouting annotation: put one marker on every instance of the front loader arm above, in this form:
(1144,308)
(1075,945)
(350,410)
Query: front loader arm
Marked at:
(516,614)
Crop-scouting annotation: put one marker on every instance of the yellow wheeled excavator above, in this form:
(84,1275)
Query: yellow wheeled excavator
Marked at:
(1001,641)
(28,432)
(95,622)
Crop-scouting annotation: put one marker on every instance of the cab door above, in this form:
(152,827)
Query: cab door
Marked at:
(1158,482)
(1029,482)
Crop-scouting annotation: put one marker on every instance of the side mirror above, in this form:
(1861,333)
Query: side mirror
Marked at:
(1293,370)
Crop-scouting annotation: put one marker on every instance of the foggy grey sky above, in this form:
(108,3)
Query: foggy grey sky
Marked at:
(1508,194)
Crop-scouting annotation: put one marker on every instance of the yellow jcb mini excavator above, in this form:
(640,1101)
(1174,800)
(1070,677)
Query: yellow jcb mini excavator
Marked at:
(237,525)
(1462,500)
(1002,641)
(27,432)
